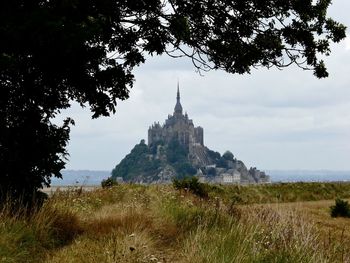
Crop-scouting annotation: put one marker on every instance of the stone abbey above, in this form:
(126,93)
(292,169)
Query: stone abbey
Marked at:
(178,126)
(162,160)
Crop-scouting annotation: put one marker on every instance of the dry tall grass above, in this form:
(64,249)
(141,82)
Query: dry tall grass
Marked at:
(131,223)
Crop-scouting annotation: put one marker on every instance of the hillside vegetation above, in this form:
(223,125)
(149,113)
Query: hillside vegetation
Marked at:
(143,164)
(134,223)
(162,162)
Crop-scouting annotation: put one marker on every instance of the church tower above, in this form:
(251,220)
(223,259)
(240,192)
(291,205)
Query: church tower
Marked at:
(178,107)
(178,126)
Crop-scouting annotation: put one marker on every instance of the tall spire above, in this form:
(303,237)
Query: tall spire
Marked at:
(178,107)
(178,93)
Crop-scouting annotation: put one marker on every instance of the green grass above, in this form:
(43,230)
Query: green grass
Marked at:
(282,192)
(134,223)
(27,238)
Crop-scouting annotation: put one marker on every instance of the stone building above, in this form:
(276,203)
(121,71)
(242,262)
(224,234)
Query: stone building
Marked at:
(178,126)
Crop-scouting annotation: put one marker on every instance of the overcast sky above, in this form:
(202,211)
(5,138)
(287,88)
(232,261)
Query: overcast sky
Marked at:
(270,119)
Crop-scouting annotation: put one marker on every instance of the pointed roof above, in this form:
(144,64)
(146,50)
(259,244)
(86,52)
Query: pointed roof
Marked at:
(178,107)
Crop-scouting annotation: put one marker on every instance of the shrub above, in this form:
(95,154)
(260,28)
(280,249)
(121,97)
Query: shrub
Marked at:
(341,208)
(228,156)
(193,185)
(109,182)
(184,169)
(222,163)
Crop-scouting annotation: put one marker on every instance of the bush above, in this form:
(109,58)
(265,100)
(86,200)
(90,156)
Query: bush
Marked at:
(228,156)
(184,169)
(341,208)
(193,185)
(222,163)
(109,182)
(176,153)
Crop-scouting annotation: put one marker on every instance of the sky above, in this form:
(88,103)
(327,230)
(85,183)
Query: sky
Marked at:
(269,119)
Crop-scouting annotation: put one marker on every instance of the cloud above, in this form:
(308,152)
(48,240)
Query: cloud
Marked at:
(270,119)
(347,43)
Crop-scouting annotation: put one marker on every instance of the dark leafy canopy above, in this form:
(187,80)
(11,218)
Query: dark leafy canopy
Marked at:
(228,156)
(53,52)
(142,162)
(137,162)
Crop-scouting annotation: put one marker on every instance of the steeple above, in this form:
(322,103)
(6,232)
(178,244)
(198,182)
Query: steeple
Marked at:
(178,107)
(178,93)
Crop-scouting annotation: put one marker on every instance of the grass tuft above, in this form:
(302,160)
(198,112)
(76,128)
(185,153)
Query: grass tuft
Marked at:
(133,223)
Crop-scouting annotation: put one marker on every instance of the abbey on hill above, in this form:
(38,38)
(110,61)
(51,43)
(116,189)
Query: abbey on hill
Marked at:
(177,126)
(176,149)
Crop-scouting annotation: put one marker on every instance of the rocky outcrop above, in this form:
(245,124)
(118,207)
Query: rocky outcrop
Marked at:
(234,173)
(176,149)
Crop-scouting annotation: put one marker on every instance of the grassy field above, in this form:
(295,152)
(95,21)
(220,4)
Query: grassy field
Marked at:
(134,223)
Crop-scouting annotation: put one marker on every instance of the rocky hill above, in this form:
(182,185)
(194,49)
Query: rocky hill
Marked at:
(175,150)
(160,163)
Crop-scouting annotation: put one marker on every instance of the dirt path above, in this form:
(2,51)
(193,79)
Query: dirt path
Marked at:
(126,231)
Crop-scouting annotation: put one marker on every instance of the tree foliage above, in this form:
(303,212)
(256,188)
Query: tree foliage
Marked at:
(340,209)
(176,152)
(228,156)
(184,169)
(142,162)
(108,183)
(137,162)
(222,163)
(177,156)
(193,185)
(215,156)
(54,52)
